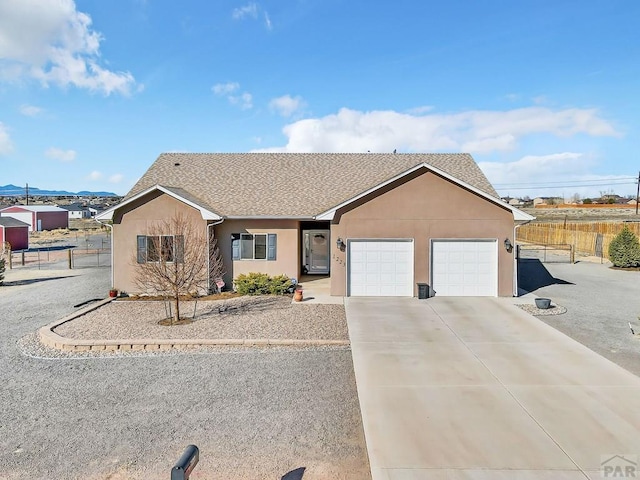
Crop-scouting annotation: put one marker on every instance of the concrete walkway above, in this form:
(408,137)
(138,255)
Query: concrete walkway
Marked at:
(474,388)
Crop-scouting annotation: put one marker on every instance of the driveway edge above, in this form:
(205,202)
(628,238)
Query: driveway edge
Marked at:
(51,339)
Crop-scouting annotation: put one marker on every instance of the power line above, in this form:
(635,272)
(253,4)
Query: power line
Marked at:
(562,186)
(568,183)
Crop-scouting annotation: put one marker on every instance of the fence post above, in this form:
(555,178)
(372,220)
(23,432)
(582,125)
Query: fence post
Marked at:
(572,254)
(22,258)
(70,262)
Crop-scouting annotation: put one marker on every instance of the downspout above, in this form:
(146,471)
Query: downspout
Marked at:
(515,257)
(111,254)
(209,235)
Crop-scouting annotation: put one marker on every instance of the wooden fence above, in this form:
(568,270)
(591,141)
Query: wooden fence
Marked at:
(587,238)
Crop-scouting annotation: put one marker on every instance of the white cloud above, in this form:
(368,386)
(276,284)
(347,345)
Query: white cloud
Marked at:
(420,110)
(244,100)
(474,131)
(95,175)
(65,156)
(248,10)
(116,178)
(225,88)
(6,146)
(559,174)
(287,105)
(30,110)
(251,10)
(54,43)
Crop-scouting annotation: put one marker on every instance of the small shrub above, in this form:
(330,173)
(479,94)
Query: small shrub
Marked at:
(587,201)
(280,284)
(261,284)
(624,249)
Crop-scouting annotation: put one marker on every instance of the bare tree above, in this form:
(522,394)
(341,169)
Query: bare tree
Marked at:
(176,259)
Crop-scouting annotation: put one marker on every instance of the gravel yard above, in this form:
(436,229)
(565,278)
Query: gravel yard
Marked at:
(238,318)
(600,303)
(255,413)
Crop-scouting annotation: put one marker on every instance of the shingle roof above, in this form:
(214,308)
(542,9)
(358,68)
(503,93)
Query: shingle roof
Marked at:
(12,222)
(292,184)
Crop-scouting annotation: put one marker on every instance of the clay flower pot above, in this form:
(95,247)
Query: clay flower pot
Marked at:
(297,295)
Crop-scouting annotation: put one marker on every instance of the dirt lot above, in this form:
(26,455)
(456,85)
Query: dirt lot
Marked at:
(583,214)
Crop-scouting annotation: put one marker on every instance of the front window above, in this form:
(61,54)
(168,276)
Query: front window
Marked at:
(160,248)
(253,246)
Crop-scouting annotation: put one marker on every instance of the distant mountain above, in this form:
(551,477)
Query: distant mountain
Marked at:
(14,191)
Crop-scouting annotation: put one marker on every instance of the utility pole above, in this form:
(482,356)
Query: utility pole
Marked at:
(638,193)
(27,193)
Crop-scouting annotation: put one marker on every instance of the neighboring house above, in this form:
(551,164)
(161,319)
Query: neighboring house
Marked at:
(376,224)
(15,232)
(77,211)
(38,217)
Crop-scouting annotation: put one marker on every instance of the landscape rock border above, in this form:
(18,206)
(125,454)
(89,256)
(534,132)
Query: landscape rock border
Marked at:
(51,339)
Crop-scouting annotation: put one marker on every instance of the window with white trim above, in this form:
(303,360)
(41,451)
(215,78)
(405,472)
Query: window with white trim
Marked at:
(253,246)
(160,248)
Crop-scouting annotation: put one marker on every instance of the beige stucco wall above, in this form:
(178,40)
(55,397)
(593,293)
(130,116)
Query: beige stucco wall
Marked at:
(135,219)
(287,252)
(422,207)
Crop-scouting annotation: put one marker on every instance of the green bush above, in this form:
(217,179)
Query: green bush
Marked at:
(624,249)
(587,201)
(261,284)
(280,285)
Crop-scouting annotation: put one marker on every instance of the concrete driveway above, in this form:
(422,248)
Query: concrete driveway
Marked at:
(474,388)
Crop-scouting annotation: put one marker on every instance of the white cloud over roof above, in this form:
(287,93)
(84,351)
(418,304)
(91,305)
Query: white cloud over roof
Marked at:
(473,131)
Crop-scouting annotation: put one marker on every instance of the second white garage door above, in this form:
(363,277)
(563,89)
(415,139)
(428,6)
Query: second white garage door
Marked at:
(380,268)
(464,268)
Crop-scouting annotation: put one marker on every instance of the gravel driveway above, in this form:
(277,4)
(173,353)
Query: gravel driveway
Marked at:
(254,413)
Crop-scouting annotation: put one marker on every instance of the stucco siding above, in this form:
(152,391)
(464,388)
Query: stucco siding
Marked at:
(136,219)
(422,207)
(287,251)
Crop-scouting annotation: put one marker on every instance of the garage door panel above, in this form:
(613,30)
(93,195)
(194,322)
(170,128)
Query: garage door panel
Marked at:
(380,268)
(464,267)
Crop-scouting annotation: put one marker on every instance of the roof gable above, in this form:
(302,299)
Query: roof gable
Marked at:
(34,208)
(518,214)
(294,185)
(177,193)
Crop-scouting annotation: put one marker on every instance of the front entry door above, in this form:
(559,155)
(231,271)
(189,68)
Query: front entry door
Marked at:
(316,251)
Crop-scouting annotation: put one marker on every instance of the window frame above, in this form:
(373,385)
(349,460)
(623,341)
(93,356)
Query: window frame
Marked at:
(239,250)
(152,249)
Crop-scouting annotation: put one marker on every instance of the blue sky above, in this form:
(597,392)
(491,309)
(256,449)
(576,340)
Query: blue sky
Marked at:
(542,93)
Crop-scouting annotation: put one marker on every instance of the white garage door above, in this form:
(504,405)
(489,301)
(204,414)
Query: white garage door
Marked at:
(464,268)
(380,268)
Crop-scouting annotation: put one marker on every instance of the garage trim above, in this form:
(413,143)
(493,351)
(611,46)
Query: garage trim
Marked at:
(408,287)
